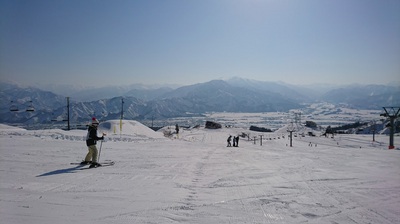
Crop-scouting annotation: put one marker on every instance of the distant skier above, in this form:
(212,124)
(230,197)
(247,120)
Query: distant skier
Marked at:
(234,141)
(237,141)
(91,140)
(177,129)
(229,141)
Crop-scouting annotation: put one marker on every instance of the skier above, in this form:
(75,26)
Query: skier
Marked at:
(91,139)
(237,141)
(177,129)
(229,141)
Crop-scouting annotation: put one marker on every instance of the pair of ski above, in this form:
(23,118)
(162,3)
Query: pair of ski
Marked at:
(87,166)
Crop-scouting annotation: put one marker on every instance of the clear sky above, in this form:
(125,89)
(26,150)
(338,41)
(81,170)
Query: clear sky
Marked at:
(98,42)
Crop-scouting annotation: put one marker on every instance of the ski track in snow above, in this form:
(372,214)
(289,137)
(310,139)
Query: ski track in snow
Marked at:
(195,178)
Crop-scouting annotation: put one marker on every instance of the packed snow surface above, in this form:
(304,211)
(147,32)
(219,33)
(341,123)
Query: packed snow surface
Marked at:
(194,178)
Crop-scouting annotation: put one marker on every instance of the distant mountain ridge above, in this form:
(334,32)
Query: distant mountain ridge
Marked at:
(234,95)
(11,95)
(218,95)
(365,97)
(90,93)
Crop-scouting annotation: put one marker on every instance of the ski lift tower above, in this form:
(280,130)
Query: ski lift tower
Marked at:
(297,119)
(392,113)
(291,129)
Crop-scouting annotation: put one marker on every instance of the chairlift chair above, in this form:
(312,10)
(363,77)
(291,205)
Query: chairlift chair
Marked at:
(13,107)
(30,108)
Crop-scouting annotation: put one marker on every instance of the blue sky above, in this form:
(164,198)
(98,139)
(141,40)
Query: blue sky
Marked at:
(97,42)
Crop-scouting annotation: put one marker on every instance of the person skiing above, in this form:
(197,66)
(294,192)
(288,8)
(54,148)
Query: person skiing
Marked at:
(229,141)
(91,139)
(237,141)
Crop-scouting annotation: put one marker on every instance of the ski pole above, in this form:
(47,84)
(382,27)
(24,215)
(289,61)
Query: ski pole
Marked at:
(101,144)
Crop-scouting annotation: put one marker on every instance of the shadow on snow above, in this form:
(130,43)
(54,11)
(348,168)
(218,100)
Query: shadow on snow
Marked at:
(62,171)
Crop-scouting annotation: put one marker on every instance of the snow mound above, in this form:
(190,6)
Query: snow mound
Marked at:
(5,127)
(127,128)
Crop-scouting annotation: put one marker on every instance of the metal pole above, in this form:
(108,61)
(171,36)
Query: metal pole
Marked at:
(101,144)
(69,127)
(373,130)
(391,138)
(122,109)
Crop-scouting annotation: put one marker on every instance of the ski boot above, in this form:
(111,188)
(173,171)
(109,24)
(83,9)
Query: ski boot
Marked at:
(94,165)
(85,163)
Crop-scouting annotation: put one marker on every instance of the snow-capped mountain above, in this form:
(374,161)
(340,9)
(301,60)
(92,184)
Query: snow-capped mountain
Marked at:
(219,95)
(296,93)
(14,97)
(235,95)
(90,93)
(365,97)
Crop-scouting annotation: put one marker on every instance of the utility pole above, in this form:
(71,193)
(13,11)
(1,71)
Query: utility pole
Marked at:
(122,108)
(65,119)
(392,113)
(69,127)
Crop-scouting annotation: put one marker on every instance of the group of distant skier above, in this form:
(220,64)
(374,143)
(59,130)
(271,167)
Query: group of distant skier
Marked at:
(235,141)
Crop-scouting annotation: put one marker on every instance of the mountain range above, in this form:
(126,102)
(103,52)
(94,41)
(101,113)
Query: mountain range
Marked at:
(142,102)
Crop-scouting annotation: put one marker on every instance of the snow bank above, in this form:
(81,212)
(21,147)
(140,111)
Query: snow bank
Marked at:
(127,128)
(131,131)
(4,127)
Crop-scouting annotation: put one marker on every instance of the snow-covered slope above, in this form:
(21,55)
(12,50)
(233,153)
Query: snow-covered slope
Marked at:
(194,178)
